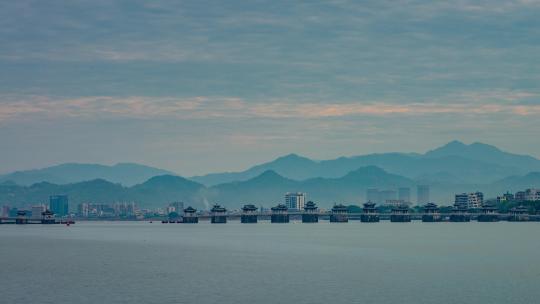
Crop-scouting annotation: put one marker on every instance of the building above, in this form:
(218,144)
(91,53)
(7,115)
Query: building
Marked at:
(460,213)
(532,195)
(372,195)
(37,211)
(218,215)
(249,214)
(339,214)
(178,207)
(387,195)
(507,197)
(400,214)
(280,214)
(5,211)
(58,204)
(190,216)
(404,194)
(310,214)
(422,194)
(295,201)
(488,213)
(473,200)
(369,213)
(519,214)
(394,202)
(431,213)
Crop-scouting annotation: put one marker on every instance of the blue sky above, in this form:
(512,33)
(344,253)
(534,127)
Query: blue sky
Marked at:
(204,86)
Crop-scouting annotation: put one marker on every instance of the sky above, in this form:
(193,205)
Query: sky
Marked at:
(209,86)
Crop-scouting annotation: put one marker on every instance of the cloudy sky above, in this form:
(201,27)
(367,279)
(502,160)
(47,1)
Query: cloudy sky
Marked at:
(203,86)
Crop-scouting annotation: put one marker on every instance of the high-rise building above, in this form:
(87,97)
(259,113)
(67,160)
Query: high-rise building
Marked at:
(422,194)
(5,210)
(387,195)
(404,194)
(295,201)
(472,200)
(532,195)
(372,195)
(37,210)
(178,207)
(83,210)
(58,204)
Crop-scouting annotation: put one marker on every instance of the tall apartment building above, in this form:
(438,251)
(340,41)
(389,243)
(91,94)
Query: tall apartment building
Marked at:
(404,194)
(37,210)
(59,205)
(422,194)
(295,201)
(473,200)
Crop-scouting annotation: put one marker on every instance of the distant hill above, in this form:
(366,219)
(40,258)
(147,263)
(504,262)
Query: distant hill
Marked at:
(267,189)
(454,162)
(127,174)
(270,187)
(156,192)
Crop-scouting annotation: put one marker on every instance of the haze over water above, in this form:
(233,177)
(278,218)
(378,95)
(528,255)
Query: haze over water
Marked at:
(139,262)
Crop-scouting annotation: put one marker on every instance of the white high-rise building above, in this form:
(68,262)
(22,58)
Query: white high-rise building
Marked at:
(473,200)
(295,201)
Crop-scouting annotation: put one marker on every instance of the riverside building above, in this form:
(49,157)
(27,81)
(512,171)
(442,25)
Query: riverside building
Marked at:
(431,213)
(310,214)
(219,215)
(519,214)
(369,213)
(400,214)
(473,200)
(280,214)
(190,216)
(339,214)
(249,214)
(460,213)
(488,213)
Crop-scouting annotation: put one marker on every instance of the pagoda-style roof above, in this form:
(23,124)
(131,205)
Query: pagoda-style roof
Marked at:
(488,206)
(249,207)
(218,208)
(310,206)
(21,212)
(47,212)
(519,209)
(340,208)
(431,206)
(280,207)
(190,210)
(369,205)
(460,207)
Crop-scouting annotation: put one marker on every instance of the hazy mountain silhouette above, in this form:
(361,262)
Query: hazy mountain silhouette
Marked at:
(454,162)
(127,174)
(266,189)
(156,192)
(270,187)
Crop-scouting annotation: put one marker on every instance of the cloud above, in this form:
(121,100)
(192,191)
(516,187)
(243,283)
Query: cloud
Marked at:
(144,107)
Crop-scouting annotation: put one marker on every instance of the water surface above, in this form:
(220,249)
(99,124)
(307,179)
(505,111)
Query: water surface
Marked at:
(139,262)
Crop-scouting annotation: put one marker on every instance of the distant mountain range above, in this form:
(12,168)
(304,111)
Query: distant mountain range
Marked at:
(450,169)
(127,174)
(454,162)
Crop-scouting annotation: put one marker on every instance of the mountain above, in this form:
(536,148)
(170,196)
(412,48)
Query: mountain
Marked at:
(127,174)
(454,162)
(156,192)
(269,188)
(485,153)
